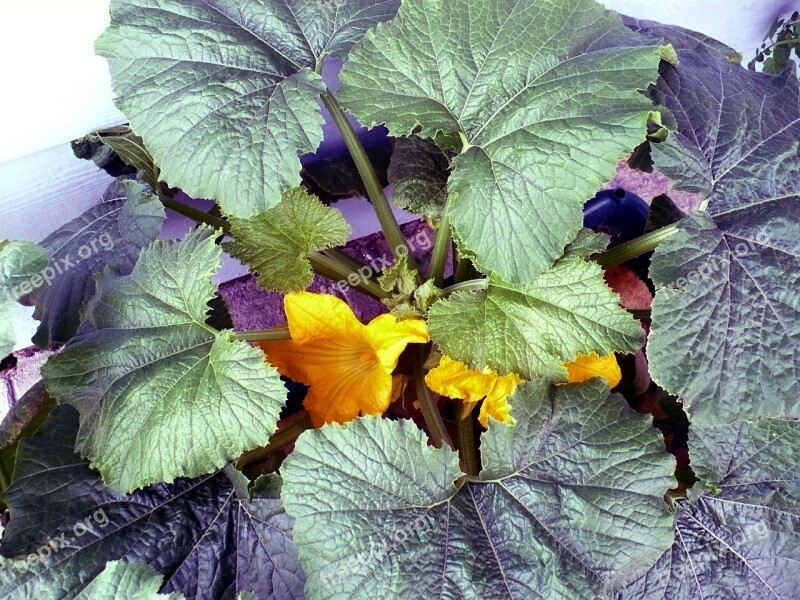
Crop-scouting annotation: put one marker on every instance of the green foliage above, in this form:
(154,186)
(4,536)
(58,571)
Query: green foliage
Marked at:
(275,243)
(544,125)
(152,374)
(568,501)
(506,117)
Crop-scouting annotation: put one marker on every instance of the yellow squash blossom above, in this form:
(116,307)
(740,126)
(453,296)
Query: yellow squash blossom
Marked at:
(348,365)
(591,365)
(454,379)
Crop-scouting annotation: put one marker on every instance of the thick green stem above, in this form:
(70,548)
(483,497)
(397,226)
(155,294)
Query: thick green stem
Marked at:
(629,250)
(191,212)
(441,249)
(268,335)
(353,263)
(276,442)
(465,438)
(5,479)
(391,229)
(336,271)
(430,412)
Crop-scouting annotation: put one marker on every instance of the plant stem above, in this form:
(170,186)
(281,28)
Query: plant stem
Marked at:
(465,438)
(429,409)
(641,245)
(394,236)
(5,479)
(336,271)
(276,442)
(191,212)
(267,335)
(441,248)
(353,263)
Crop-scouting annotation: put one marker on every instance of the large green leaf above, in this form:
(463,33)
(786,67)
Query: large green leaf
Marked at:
(126,581)
(211,537)
(224,92)
(570,500)
(740,536)
(545,93)
(726,318)
(533,329)
(276,243)
(161,394)
(111,234)
(21,265)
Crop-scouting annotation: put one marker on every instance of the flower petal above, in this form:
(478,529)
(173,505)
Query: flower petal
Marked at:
(591,365)
(313,316)
(389,337)
(454,379)
(347,365)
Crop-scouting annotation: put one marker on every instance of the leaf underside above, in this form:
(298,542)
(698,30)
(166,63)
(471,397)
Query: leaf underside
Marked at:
(161,394)
(726,317)
(224,92)
(546,94)
(195,532)
(569,501)
(740,539)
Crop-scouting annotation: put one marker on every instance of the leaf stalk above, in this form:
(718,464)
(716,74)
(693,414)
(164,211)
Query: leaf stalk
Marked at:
(641,245)
(380,203)
(430,412)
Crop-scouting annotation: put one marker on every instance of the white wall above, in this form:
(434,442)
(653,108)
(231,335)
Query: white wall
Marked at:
(55,89)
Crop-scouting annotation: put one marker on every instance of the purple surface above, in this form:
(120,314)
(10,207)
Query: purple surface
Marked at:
(253,309)
(649,185)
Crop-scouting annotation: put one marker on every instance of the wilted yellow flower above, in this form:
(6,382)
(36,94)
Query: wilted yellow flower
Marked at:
(591,365)
(348,365)
(454,379)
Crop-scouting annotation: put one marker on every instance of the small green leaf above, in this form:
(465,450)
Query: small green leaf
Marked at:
(570,502)
(275,243)
(224,92)
(545,94)
(161,394)
(399,278)
(532,329)
(126,581)
(20,264)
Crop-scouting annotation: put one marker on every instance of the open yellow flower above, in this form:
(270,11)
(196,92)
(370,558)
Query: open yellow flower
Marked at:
(454,379)
(348,365)
(591,365)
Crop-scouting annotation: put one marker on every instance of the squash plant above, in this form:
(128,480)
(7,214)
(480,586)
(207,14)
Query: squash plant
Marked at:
(515,473)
